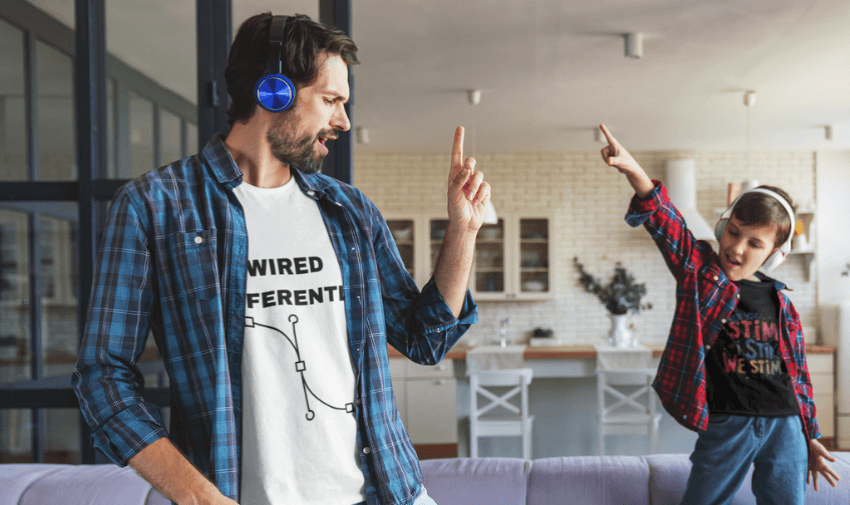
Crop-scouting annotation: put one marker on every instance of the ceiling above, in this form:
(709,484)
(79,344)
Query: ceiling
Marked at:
(549,70)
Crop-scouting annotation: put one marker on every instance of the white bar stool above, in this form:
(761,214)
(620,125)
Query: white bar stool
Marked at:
(626,402)
(486,421)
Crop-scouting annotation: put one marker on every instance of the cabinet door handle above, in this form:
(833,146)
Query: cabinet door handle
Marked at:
(441,382)
(442,367)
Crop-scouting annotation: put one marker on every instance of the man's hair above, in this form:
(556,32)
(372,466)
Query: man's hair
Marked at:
(759,209)
(303,41)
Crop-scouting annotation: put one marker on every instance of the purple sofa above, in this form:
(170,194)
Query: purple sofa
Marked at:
(616,480)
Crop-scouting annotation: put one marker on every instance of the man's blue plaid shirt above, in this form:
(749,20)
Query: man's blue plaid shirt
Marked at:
(173,261)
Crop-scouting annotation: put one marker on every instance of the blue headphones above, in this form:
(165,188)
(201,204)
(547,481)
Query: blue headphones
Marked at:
(274,91)
(774,260)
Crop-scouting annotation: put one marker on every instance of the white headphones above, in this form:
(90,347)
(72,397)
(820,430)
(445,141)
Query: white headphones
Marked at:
(775,259)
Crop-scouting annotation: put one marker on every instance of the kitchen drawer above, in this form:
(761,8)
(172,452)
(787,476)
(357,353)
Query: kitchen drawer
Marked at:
(444,368)
(826,415)
(820,363)
(432,411)
(823,384)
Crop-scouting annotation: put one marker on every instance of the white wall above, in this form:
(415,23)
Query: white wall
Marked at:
(833,232)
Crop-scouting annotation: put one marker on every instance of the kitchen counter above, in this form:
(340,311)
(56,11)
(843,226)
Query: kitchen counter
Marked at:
(578,351)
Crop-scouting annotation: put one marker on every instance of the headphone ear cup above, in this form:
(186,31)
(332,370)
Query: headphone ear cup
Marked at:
(274,92)
(719,227)
(772,262)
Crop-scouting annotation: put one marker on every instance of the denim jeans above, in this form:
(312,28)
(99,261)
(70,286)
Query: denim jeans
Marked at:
(723,454)
(422,499)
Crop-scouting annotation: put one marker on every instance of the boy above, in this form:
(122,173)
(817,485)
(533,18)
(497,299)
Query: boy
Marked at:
(734,368)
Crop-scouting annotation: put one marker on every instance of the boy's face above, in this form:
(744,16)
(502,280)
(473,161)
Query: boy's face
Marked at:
(744,248)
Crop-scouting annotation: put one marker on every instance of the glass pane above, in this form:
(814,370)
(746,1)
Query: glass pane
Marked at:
(169,137)
(403,232)
(534,255)
(54,77)
(436,233)
(13,154)
(141,135)
(192,139)
(14,297)
(59,304)
(490,258)
(62,436)
(16,436)
(61,10)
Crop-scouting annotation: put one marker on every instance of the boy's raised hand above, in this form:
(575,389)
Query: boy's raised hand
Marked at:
(616,155)
(818,465)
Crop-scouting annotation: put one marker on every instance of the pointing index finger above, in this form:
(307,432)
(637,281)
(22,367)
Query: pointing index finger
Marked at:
(611,139)
(457,149)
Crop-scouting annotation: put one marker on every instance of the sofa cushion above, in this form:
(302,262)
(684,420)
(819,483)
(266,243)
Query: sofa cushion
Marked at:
(466,481)
(589,480)
(37,484)
(669,476)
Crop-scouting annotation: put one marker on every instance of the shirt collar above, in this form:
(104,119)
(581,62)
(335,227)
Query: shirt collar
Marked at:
(226,171)
(218,158)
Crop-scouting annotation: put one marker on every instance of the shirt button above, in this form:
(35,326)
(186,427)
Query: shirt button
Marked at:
(358,400)
(366,450)
(198,240)
(738,296)
(716,278)
(723,321)
(311,192)
(338,204)
(708,347)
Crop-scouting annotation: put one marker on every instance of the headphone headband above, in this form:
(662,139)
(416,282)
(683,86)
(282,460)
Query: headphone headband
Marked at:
(776,196)
(275,65)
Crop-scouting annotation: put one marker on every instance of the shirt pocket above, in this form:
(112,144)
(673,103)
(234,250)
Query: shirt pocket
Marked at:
(195,272)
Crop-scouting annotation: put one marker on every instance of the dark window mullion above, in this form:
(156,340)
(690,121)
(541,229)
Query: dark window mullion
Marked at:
(30,105)
(36,366)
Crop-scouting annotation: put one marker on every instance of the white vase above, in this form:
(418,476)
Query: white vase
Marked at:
(620,335)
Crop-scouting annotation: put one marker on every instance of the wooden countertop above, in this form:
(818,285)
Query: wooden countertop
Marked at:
(578,351)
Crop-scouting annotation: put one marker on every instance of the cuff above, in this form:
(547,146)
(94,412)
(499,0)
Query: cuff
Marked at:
(128,432)
(434,314)
(640,209)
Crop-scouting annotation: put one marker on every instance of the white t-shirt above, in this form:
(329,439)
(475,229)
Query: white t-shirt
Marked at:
(299,432)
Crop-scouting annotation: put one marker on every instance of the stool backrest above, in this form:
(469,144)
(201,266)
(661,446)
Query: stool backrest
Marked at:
(481,380)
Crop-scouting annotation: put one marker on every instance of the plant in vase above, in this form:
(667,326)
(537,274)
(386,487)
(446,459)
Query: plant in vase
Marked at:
(621,297)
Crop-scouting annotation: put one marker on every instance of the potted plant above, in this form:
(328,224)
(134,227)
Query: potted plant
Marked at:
(621,297)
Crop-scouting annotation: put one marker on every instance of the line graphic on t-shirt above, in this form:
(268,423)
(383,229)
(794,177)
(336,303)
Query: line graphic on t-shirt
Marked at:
(300,367)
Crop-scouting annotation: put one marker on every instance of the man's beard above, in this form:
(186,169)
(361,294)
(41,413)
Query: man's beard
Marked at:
(297,153)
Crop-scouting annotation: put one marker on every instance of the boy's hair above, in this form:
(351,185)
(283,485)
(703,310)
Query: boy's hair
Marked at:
(759,208)
(303,41)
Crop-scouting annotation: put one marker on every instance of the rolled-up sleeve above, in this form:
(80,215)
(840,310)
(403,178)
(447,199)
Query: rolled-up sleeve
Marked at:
(106,380)
(419,324)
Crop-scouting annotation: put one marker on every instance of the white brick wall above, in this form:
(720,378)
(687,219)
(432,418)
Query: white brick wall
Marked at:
(589,201)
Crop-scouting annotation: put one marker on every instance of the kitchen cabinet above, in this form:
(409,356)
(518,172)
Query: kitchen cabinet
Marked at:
(513,258)
(802,245)
(426,397)
(822,373)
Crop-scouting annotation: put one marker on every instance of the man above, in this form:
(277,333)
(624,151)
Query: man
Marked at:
(271,292)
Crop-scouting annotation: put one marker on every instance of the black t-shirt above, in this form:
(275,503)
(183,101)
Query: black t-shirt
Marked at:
(745,371)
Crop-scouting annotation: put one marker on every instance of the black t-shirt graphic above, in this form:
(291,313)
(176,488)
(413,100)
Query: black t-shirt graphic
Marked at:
(745,371)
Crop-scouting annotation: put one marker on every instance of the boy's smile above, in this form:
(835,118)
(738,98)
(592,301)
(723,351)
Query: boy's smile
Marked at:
(744,248)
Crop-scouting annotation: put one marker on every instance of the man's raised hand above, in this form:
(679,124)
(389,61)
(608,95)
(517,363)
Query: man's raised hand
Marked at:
(468,194)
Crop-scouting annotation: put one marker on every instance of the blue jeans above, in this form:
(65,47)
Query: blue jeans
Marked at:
(723,454)
(422,499)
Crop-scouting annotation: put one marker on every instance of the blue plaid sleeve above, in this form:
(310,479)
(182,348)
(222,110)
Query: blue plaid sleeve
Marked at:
(106,380)
(420,325)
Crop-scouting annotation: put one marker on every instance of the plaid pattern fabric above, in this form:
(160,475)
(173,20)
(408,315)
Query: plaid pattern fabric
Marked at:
(173,261)
(705,298)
